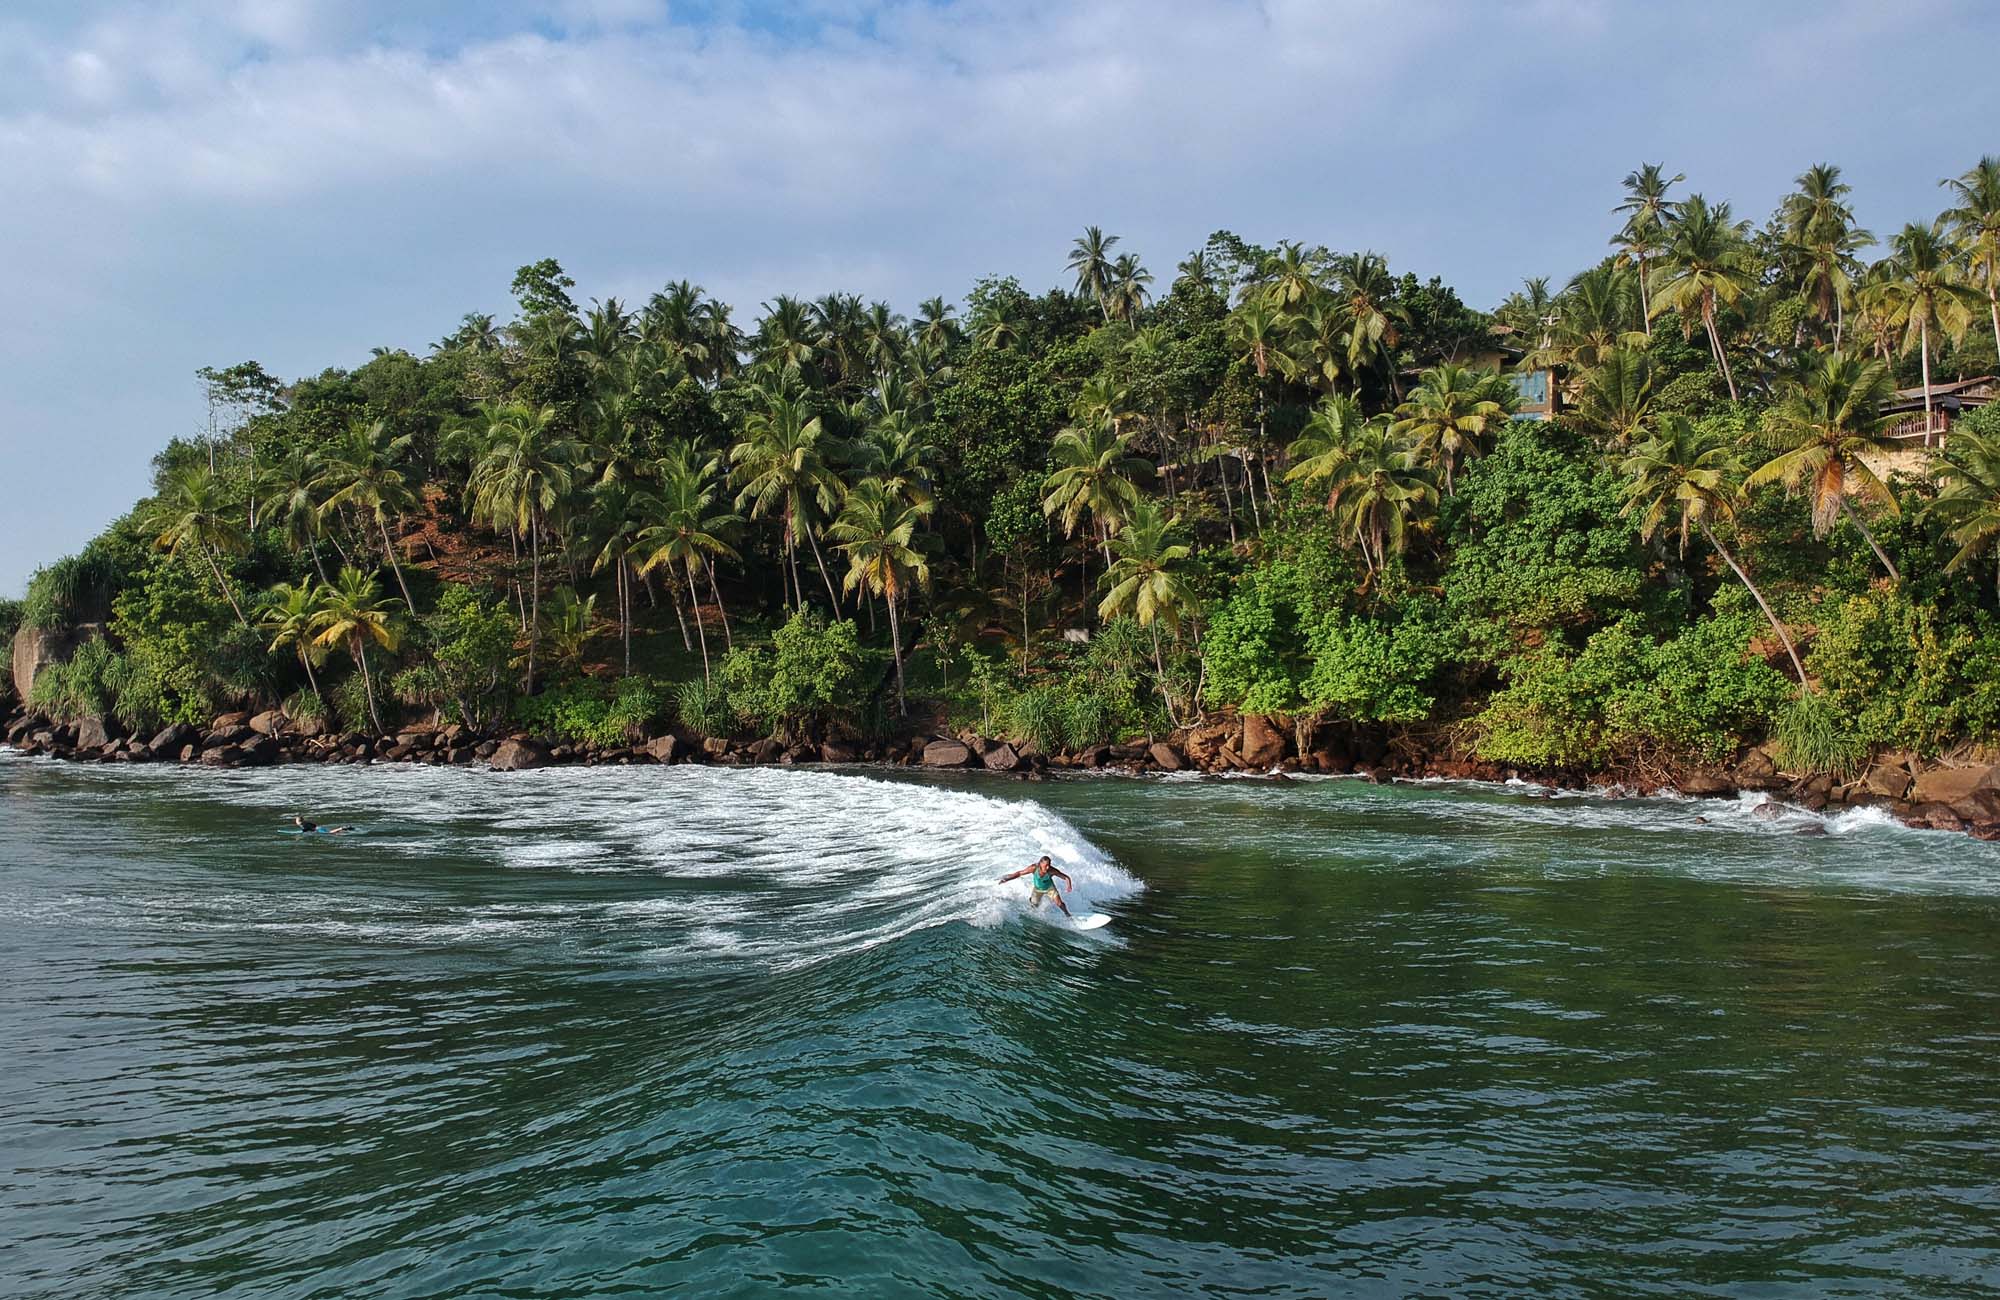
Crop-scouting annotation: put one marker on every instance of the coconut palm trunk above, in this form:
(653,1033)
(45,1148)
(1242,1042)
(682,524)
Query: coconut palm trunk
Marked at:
(312,679)
(1645,300)
(1924,351)
(1854,517)
(700,628)
(208,553)
(534,596)
(389,550)
(1790,650)
(359,645)
(896,650)
(715,590)
(820,560)
(1715,344)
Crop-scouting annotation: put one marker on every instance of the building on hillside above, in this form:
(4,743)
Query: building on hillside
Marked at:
(1537,387)
(1949,401)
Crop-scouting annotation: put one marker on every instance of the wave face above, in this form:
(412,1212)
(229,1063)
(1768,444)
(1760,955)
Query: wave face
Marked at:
(648,1030)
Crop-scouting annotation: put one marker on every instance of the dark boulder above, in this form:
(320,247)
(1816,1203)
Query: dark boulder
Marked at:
(1981,805)
(946,753)
(715,747)
(1706,785)
(665,749)
(834,751)
(1165,757)
(1263,742)
(518,756)
(96,732)
(268,723)
(171,738)
(767,750)
(1001,758)
(221,756)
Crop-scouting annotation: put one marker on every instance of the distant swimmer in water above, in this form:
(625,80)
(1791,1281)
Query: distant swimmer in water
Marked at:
(315,828)
(1044,876)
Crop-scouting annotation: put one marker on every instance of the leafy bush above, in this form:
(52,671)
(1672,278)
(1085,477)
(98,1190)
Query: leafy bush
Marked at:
(1626,694)
(583,711)
(810,675)
(468,678)
(304,706)
(189,656)
(1899,675)
(348,702)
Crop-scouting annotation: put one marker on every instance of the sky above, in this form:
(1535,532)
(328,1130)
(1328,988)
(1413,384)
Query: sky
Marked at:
(298,181)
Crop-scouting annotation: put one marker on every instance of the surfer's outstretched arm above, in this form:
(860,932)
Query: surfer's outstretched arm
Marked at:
(1014,875)
(1068,884)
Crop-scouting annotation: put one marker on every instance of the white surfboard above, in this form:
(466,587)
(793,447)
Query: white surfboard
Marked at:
(1092,921)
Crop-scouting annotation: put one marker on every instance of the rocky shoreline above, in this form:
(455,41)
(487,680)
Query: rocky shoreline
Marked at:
(1959,796)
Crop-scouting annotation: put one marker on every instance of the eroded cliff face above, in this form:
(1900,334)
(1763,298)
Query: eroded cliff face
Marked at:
(36,648)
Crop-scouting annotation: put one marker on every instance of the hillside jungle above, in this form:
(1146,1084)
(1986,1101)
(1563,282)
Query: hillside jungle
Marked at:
(1276,481)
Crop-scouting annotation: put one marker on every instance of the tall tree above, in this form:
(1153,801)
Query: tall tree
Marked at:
(193,508)
(1705,263)
(351,614)
(1927,292)
(527,464)
(363,470)
(1375,485)
(289,618)
(1144,580)
(1687,471)
(1828,415)
(690,529)
(1968,504)
(879,534)
(1819,231)
(1644,207)
(1449,416)
(1974,218)
(1094,474)
(784,467)
(1090,258)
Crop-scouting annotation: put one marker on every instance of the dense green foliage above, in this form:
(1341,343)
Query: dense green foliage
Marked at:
(1288,480)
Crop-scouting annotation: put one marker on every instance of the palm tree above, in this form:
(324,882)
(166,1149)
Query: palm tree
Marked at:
(1374,318)
(350,614)
(1616,396)
(617,516)
(1197,272)
(935,326)
(879,534)
(674,322)
(571,623)
(289,619)
(1968,504)
(1126,297)
(1818,227)
(289,489)
(1588,320)
(1928,294)
(361,471)
(194,509)
(1975,224)
(1256,334)
(689,530)
(1707,264)
(1145,581)
(1374,483)
(1000,327)
(1685,469)
(787,340)
(1290,275)
(1093,475)
(526,467)
(1090,258)
(1450,414)
(1827,417)
(898,452)
(783,463)
(1644,206)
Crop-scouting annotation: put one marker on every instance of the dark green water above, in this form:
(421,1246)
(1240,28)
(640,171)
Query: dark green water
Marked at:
(674,1031)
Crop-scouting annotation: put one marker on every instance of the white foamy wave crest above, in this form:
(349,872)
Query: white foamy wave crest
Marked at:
(776,867)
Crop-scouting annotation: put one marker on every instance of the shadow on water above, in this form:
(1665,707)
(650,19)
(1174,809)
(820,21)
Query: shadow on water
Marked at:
(742,1033)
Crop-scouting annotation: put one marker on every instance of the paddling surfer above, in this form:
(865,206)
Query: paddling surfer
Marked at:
(309,828)
(1042,880)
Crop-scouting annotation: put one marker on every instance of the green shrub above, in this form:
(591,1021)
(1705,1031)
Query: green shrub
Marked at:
(810,675)
(348,701)
(305,706)
(1698,696)
(1899,675)
(583,711)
